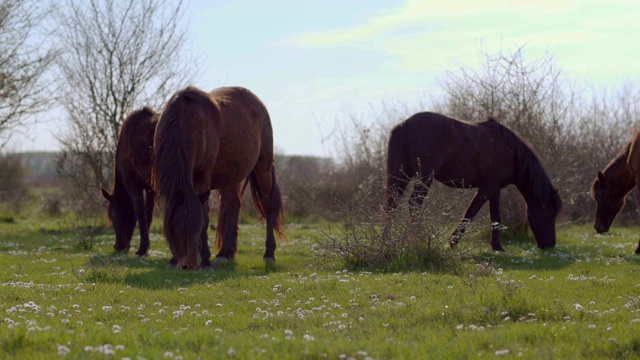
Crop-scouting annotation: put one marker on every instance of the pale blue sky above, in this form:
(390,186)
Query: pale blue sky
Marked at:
(313,62)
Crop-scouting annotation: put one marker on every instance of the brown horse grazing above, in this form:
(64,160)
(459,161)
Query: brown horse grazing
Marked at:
(132,175)
(214,141)
(486,155)
(612,185)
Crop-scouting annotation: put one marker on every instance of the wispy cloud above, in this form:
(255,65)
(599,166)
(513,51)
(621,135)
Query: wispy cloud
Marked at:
(426,15)
(424,36)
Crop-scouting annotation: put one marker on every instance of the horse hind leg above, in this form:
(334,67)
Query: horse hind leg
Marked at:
(394,189)
(638,249)
(227,230)
(420,192)
(205,252)
(266,195)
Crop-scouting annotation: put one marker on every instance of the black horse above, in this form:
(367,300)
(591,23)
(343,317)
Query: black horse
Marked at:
(485,155)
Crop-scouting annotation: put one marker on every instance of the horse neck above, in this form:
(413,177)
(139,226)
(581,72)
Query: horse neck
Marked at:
(530,177)
(619,173)
(535,194)
(119,189)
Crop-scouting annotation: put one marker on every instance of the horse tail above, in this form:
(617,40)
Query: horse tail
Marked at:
(172,180)
(276,213)
(396,166)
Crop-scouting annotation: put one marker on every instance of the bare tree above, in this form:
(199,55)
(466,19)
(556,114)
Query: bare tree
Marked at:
(24,60)
(120,55)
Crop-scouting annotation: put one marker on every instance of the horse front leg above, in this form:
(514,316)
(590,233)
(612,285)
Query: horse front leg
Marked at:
(143,224)
(494,213)
(479,199)
(150,201)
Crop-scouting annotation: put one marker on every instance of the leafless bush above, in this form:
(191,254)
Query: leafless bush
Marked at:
(301,180)
(13,187)
(410,239)
(52,205)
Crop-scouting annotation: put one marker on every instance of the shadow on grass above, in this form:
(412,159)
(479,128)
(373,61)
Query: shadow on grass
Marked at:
(522,253)
(153,274)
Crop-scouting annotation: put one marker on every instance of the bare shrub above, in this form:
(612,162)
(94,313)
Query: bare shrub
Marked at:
(13,186)
(411,239)
(52,205)
(301,179)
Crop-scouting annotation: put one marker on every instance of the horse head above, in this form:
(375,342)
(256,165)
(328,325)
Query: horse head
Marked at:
(121,214)
(542,220)
(607,205)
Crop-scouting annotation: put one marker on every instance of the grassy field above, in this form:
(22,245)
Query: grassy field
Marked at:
(63,298)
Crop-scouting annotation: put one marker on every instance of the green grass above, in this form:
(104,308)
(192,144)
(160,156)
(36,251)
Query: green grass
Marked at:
(581,300)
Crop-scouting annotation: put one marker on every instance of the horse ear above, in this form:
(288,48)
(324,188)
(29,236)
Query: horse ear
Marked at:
(204,197)
(106,194)
(600,176)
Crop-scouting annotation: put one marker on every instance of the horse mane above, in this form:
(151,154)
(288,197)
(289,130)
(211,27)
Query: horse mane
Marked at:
(529,171)
(171,174)
(620,160)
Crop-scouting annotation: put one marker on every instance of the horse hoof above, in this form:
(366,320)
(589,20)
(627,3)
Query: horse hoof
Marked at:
(221,260)
(269,260)
(206,268)
(141,255)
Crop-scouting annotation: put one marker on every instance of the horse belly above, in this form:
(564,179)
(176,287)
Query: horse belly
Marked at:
(233,167)
(459,175)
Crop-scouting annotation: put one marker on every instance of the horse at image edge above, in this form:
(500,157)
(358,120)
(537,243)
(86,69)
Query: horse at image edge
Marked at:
(612,185)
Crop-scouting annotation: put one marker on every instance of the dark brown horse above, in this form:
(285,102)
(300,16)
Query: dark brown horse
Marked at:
(132,198)
(486,155)
(612,185)
(214,141)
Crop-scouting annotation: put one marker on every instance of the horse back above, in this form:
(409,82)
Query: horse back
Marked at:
(244,135)
(134,150)
(456,152)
